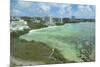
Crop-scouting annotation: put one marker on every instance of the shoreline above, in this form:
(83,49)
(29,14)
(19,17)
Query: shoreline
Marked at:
(42,28)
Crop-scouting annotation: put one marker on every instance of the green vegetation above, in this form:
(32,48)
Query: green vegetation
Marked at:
(59,23)
(35,25)
(31,51)
(18,33)
(35,51)
(59,56)
(13,65)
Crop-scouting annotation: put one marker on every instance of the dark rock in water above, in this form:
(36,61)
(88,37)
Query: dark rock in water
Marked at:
(87,52)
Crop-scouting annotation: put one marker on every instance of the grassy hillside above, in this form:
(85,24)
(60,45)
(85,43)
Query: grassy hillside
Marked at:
(35,51)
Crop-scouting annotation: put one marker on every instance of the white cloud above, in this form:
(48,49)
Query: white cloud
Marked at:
(44,7)
(65,10)
(85,11)
(24,4)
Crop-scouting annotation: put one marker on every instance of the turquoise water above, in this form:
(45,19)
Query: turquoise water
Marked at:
(67,38)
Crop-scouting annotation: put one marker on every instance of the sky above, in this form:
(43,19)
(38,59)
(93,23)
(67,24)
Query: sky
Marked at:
(29,8)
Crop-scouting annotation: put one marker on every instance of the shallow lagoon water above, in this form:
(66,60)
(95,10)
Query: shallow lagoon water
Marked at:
(67,38)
